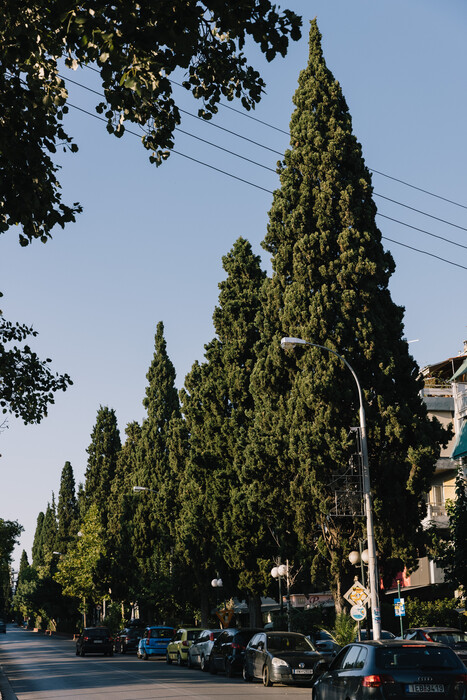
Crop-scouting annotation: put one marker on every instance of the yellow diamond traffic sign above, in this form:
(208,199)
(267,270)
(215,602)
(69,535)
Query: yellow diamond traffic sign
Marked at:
(357,594)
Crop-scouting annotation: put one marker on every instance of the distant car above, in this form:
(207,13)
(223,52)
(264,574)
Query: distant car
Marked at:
(324,643)
(384,634)
(200,651)
(228,650)
(282,657)
(94,640)
(453,637)
(127,640)
(2,627)
(154,641)
(395,669)
(177,649)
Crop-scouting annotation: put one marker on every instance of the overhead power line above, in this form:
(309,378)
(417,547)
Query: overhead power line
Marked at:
(264,189)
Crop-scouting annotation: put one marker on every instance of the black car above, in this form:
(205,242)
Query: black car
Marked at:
(394,669)
(94,640)
(282,657)
(127,640)
(453,637)
(228,650)
(325,643)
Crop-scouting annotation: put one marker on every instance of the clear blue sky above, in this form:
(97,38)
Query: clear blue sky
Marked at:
(149,244)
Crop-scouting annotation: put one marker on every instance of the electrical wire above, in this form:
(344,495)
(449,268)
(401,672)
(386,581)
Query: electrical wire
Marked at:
(264,189)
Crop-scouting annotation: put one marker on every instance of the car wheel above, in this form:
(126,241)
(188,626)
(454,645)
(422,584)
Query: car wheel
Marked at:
(167,658)
(111,653)
(189,663)
(212,667)
(246,675)
(145,655)
(179,659)
(82,653)
(202,663)
(229,672)
(123,649)
(77,652)
(266,678)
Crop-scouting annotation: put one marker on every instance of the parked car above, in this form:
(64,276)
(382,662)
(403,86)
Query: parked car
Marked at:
(127,640)
(325,643)
(2,626)
(228,650)
(154,641)
(453,637)
(200,651)
(94,640)
(384,634)
(177,649)
(394,669)
(282,657)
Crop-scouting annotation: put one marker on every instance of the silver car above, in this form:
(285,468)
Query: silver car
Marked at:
(200,650)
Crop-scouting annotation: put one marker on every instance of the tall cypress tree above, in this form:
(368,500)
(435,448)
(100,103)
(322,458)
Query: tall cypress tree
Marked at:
(37,558)
(217,406)
(330,287)
(67,509)
(102,461)
(153,542)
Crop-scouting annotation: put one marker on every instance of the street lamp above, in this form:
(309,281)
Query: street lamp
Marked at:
(372,565)
(279,572)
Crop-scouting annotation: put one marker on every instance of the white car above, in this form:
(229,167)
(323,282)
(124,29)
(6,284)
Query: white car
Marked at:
(200,650)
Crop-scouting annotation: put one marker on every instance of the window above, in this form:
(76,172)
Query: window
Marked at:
(350,659)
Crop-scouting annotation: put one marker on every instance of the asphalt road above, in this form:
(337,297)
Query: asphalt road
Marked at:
(46,668)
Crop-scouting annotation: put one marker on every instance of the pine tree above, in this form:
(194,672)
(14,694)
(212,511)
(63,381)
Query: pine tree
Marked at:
(67,509)
(330,287)
(217,406)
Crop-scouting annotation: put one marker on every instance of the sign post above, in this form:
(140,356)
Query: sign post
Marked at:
(399,607)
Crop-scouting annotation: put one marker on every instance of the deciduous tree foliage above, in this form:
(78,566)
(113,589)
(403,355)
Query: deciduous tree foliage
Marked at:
(27,384)
(135,48)
(330,287)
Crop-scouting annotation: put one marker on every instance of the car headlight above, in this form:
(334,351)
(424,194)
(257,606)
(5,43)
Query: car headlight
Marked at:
(279,662)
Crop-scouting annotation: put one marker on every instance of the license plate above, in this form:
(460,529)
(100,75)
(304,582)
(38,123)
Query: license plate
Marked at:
(98,641)
(303,671)
(425,688)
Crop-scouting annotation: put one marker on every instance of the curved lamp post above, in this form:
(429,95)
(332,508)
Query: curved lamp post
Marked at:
(372,565)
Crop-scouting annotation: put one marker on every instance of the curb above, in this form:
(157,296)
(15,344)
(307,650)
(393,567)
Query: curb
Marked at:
(6,692)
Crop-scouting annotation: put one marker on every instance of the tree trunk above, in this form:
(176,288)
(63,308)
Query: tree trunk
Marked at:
(254,609)
(204,605)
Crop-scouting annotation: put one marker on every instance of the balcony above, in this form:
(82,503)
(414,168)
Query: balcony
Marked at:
(436,515)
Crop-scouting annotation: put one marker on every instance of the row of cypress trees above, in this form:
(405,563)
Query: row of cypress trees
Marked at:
(243,464)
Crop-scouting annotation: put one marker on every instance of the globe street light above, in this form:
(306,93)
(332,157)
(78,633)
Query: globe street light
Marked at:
(372,565)
(279,572)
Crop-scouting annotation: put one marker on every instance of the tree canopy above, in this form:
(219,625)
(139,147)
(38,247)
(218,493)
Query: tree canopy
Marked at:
(135,48)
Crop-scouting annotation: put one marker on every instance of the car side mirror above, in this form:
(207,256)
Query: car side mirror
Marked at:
(261,646)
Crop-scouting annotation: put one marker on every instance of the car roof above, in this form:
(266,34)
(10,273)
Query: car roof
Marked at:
(436,629)
(278,633)
(399,643)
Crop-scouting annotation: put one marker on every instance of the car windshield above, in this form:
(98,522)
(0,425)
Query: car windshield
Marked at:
(416,657)
(449,637)
(287,642)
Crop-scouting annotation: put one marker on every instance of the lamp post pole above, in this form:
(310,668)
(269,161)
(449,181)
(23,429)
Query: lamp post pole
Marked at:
(372,564)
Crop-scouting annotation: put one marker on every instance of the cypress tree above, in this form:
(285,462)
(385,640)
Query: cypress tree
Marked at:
(37,558)
(217,406)
(102,461)
(330,287)
(155,509)
(67,509)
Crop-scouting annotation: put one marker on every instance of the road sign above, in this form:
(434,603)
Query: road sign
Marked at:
(399,607)
(358,612)
(357,594)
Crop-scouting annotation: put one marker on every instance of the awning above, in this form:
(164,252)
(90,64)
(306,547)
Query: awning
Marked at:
(462,370)
(460,449)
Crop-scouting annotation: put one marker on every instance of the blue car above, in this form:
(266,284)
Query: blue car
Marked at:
(154,641)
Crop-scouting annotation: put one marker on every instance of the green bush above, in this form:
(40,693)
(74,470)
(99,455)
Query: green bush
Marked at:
(345,629)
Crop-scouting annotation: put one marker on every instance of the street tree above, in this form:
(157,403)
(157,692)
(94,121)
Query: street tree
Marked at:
(67,509)
(136,49)
(28,385)
(330,287)
(103,453)
(216,528)
(156,508)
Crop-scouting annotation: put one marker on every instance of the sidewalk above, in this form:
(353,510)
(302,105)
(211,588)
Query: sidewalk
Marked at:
(6,692)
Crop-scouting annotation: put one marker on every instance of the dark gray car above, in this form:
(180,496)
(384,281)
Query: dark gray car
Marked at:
(282,657)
